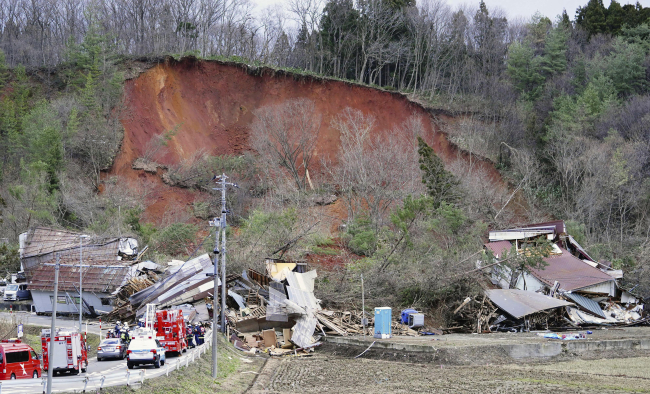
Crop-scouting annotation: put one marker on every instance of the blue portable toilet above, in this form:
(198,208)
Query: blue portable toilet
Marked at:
(383,317)
(405,315)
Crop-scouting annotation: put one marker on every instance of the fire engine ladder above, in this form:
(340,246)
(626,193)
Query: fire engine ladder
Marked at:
(150,316)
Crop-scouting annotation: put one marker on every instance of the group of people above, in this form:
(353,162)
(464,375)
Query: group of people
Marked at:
(194,335)
(121,331)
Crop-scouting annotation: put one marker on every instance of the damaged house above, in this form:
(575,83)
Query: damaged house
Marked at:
(41,246)
(590,288)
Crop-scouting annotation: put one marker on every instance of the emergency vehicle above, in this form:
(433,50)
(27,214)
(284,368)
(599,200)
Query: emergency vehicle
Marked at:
(145,349)
(18,360)
(170,330)
(70,351)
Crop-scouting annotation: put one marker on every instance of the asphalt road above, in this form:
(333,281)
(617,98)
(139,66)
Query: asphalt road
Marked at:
(114,371)
(33,319)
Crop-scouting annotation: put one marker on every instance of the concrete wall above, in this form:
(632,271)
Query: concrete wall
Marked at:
(43,302)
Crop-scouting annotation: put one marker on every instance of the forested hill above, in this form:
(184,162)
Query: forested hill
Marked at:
(560,105)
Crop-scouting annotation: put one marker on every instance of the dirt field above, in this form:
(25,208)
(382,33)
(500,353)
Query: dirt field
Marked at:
(331,374)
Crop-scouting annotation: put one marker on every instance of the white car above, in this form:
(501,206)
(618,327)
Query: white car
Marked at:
(11,292)
(145,350)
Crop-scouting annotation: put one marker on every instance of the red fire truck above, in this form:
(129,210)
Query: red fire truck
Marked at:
(18,360)
(170,330)
(70,352)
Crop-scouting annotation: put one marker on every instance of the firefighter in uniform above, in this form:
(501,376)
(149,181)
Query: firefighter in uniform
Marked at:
(201,335)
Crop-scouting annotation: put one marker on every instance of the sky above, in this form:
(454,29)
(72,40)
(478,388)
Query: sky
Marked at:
(518,8)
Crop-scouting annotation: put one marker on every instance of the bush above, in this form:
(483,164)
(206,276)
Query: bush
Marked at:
(175,239)
(361,237)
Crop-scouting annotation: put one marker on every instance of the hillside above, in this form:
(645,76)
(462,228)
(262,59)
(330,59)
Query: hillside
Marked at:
(211,106)
(382,140)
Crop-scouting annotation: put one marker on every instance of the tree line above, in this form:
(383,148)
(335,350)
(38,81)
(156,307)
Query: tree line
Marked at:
(561,107)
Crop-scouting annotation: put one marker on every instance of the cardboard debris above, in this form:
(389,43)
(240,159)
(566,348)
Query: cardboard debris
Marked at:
(270,339)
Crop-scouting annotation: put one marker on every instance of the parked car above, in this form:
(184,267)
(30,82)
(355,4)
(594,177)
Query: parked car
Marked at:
(111,348)
(17,292)
(18,360)
(145,349)
(11,292)
(23,293)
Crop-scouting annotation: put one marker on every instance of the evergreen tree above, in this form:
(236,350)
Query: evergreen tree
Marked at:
(525,70)
(42,141)
(554,60)
(4,72)
(440,183)
(592,17)
(615,17)
(565,22)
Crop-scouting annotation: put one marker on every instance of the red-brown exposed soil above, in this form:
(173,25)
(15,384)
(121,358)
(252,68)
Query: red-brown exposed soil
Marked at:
(211,104)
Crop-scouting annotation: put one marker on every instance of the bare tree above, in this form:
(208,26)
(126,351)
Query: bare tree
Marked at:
(375,168)
(286,134)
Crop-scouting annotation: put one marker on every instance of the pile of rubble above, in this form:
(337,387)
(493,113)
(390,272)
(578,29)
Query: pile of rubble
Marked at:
(569,290)
(277,312)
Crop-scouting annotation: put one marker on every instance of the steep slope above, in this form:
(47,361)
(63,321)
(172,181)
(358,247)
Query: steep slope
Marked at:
(211,104)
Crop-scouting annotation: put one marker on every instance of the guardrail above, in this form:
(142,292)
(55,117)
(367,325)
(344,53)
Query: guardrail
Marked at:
(130,377)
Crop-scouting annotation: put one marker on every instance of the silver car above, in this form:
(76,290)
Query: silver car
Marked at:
(111,348)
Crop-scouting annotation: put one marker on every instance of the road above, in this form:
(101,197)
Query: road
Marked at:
(33,319)
(104,374)
(114,371)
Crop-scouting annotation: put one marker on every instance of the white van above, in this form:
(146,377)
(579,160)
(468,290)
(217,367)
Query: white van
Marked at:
(11,292)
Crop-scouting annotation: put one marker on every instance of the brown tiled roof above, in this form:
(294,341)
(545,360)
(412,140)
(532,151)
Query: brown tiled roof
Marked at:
(43,240)
(570,271)
(499,247)
(95,279)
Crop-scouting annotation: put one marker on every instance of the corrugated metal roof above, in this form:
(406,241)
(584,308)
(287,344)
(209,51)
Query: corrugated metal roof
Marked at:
(531,230)
(570,271)
(580,249)
(499,247)
(95,279)
(520,303)
(586,303)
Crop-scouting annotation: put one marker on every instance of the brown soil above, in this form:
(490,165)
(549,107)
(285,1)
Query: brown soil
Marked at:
(326,374)
(212,103)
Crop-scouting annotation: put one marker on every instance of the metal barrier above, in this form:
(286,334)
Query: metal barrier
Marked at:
(102,380)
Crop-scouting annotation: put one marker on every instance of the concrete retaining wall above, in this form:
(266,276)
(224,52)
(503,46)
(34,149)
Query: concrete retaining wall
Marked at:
(468,355)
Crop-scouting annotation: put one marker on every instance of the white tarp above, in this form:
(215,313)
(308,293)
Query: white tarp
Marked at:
(128,246)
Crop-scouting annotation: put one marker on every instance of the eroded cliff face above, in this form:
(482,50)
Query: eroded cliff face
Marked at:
(210,106)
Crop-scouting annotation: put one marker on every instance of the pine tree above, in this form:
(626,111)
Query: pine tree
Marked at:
(592,17)
(4,73)
(440,183)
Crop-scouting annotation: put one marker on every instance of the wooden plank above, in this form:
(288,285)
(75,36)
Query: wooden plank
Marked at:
(331,325)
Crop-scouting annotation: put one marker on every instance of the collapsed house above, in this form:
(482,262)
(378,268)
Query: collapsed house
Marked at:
(570,288)
(183,285)
(42,246)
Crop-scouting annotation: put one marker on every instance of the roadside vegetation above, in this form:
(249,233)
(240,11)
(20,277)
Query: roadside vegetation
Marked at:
(560,106)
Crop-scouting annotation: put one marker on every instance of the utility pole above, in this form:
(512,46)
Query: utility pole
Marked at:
(81,297)
(215,223)
(221,226)
(55,300)
(364,321)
